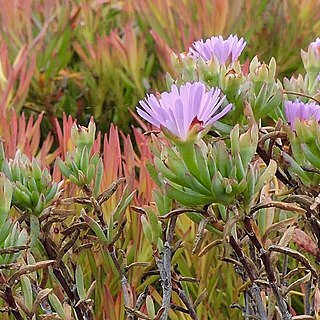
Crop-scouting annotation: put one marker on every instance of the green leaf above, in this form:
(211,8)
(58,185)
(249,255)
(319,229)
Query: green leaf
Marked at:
(187,153)
(218,190)
(80,282)
(5,168)
(34,230)
(155,225)
(193,183)
(63,168)
(123,204)
(248,145)
(37,173)
(98,177)
(21,199)
(57,306)
(2,154)
(163,202)
(267,175)
(51,194)
(204,173)
(170,175)
(272,100)
(84,160)
(26,291)
(110,229)
(222,158)
(187,197)
(295,169)
(96,228)
(234,139)
(249,191)
(241,171)
(153,173)
(90,173)
(5,230)
(311,157)
(147,230)
(150,307)
(40,205)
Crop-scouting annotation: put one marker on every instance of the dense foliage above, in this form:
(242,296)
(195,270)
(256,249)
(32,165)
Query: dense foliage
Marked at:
(100,57)
(209,209)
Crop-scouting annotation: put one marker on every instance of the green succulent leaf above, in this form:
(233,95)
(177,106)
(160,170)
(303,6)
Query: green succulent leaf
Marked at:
(187,197)
(96,228)
(267,175)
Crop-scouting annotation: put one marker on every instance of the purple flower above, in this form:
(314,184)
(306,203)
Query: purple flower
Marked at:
(184,112)
(315,47)
(216,47)
(303,111)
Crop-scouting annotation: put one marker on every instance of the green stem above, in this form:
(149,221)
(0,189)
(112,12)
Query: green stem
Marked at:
(188,155)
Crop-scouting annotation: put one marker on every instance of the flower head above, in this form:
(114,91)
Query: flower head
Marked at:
(303,111)
(217,47)
(311,59)
(315,47)
(184,112)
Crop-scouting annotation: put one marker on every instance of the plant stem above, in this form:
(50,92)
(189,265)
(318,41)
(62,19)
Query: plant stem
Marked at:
(266,159)
(307,294)
(186,302)
(127,296)
(268,268)
(301,95)
(68,285)
(164,266)
(255,290)
(12,304)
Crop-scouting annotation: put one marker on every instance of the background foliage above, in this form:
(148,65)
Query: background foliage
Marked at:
(100,57)
(68,60)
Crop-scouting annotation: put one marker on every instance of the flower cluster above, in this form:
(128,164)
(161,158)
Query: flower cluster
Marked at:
(224,51)
(184,112)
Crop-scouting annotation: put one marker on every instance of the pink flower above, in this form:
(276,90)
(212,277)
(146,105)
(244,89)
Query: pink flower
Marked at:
(302,111)
(216,47)
(184,112)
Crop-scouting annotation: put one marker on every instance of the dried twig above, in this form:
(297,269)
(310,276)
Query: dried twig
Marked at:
(268,268)
(255,289)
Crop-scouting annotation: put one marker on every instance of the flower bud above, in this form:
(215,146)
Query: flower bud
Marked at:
(295,84)
(311,59)
(82,136)
(262,72)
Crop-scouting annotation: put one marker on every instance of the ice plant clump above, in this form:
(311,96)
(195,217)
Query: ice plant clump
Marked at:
(303,111)
(216,47)
(186,113)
